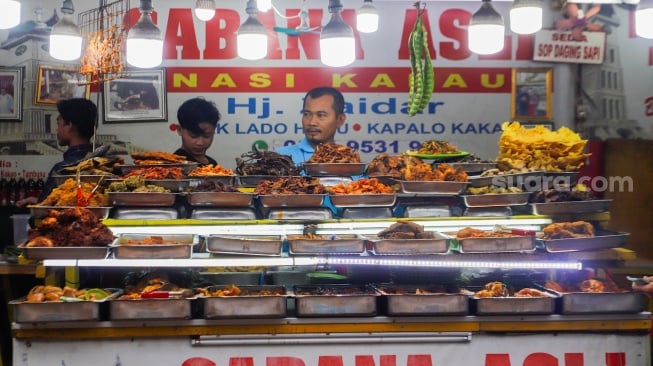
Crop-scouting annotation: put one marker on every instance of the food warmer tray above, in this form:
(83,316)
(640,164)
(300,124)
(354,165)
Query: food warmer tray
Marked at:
(145,213)
(84,178)
(270,245)
(496,199)
(505,180)
(220,199)
(150,309)
(603,302)
(363,200)
(223,214)
(569,207)
(173,185)
(441,188)
(252,302)
(251,181)
(40,253)
(158,199)
(228,180)
(601,240)
(512,305)
(59,311)
(333,244)
(335,300)
(473,167)
(439,244)
(137,246)
(291,200)
(334,169)
(39,212)
(517,243)
(185,167)
(405,300)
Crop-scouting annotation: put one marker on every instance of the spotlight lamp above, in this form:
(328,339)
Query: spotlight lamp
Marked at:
(10,14)
(526,16)
(644,19)
(486,30)
(263,5)
(144,40)
(252,38)
(337,45)
(205,10)
(367,18)
(65,37)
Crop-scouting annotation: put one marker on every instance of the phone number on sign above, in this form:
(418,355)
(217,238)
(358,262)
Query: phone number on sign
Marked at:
(382,146)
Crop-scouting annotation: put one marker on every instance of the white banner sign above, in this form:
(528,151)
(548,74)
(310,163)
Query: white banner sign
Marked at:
(557,46)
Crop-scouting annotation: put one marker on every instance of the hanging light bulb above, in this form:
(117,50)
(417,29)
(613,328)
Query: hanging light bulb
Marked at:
(205,10)
(486,30)
(252,38)
(367,18)
(264,5)
(644,19)
(144,41)
(337,45)
(10,14)
(65,37)
(526,16)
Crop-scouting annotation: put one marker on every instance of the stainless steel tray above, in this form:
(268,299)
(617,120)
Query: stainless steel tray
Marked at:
(442,188)
(58,311)
(363,200)
(40,253)
(335,169)
(142,198)
(292,200)
(404,300)
(558,178)
(134,246)
(221,199)
(84,178)
(334,300)
(245,244)
(173,185)
(497,244)
(496,199)
(438,245)
(506,180)
(603,302)
(557,208)
(253,180)
(223,214)
(146,213)
(474,167)
(514,305)
(332,181)
(150,309)
(229,180)
(185,167)
(334,244)
(249,304)
(39,212)
(602,240)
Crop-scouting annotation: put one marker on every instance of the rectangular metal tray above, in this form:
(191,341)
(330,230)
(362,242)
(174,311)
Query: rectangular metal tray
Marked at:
(39,212)
(602,240)
(523,244)
(180,246)
(40,253)
(404,300)
(495,199)
(438,245)
(173,185)
(220,199)
(228,180)
(334,169)
(442,188)
(58,311)
(252,181)
(150,309)
(603,302)
(363,200)
(146,213)
(249,304)
(158,199)
(557,208)
(474,167)
(514,305)
(223,214)
(245,244)
(84,178)
(505,180)
(345,300)
(292,200)
(334,244)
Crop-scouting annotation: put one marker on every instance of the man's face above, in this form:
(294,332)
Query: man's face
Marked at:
(194,143)
(320,121)
(63,131)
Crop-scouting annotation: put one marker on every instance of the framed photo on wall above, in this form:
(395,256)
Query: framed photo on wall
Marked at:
(138,97)
(55,83)
(11,93)
(531,94)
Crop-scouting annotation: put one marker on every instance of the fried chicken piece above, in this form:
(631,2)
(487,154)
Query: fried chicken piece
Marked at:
(564,230)
(592,285)
(492,289)
(160,156)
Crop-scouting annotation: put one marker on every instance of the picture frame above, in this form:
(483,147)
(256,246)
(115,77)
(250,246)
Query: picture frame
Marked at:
(11,94)
(140,96)
(54,83)
(531,94)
